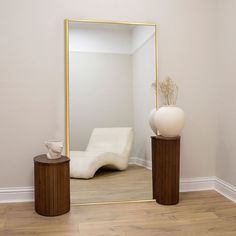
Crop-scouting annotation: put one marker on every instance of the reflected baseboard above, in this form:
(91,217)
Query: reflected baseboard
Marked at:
(140,162)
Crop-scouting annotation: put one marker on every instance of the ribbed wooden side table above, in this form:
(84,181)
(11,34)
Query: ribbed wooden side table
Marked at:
(165,169)
(52,185)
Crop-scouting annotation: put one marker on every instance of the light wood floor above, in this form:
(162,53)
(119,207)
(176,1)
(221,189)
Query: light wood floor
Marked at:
(198,213)
(135,183)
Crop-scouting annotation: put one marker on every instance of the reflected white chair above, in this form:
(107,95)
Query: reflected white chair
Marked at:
(107,147)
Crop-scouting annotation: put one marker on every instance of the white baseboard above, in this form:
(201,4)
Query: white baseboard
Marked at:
(16,194)
(209,183)
(140,162)
(26,194)
(226,189)
(197,184)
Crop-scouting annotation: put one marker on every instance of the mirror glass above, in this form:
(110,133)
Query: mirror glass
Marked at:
(111,69)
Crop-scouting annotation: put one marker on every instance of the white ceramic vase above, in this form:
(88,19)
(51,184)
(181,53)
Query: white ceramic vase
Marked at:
(151,120)
(169,121)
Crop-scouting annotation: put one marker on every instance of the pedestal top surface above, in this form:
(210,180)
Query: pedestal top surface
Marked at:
(166,138)
(44,160)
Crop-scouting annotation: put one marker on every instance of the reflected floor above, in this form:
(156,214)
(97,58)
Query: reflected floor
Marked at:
(134,183)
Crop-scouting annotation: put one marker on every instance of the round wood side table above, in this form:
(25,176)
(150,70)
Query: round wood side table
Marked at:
(52,185)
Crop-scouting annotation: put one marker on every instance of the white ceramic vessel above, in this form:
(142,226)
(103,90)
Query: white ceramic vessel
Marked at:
(55,148)
(169,121)
(151,120)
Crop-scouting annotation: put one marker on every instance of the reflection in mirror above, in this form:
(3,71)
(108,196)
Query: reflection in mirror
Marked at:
(111,69)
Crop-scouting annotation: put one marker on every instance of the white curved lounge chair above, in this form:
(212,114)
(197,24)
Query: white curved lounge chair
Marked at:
(110,147)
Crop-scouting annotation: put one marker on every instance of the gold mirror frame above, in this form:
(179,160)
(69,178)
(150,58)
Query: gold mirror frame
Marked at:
(67,103)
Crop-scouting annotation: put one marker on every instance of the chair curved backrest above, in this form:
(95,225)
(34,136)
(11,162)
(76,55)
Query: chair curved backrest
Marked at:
(116,140)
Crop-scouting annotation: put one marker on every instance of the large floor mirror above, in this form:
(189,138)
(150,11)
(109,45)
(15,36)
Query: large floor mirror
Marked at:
(110,67)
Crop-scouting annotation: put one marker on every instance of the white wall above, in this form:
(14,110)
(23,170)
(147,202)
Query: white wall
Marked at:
(226,147)
(108,38)
(32,74)
(100,40)
(140,34)
(144,100)
(101,94)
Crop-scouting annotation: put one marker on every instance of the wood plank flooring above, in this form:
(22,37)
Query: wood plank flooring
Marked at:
(198,213)
(134,183)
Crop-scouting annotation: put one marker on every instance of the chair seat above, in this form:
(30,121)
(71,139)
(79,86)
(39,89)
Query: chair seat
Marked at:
(85,164)
(108,147)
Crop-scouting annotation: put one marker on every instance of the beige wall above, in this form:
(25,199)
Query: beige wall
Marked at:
(226,148)
(32,74)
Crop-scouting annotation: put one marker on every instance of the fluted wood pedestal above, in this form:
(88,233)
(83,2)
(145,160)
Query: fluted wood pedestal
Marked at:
(52,185)
(165,169)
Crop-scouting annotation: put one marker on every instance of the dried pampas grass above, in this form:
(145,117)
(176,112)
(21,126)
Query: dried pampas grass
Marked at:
(169,90)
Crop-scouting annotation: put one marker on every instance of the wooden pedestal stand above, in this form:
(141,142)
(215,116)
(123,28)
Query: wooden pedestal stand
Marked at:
(52,185)
(165,169)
